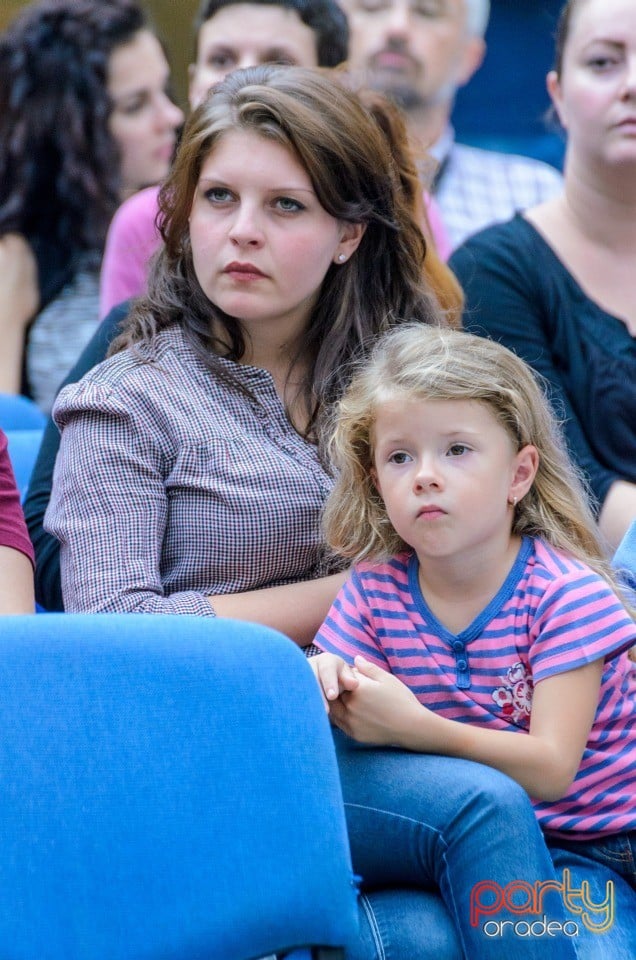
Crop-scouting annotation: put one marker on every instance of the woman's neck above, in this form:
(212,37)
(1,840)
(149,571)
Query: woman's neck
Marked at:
(601,204)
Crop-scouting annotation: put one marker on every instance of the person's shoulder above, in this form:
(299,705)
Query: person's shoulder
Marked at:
(375,574)
(120,380)
(509,164)
(137,213)
(556,571)
(508,243)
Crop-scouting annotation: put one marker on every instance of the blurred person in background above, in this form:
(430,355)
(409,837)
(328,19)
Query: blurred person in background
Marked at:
(420,52)
(86,119)
(557,284)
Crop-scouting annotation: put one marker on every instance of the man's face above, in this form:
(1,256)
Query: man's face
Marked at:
(246,35)
(417,51)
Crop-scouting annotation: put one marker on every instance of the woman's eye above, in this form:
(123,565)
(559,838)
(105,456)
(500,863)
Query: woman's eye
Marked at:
(601,63)
(288,205)
(457,449)
(218,195)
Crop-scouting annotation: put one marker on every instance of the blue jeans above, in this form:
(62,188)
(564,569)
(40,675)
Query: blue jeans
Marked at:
(436,841)
(608,866)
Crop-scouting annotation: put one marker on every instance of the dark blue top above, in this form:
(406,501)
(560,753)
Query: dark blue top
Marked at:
(520,293)
(48,589)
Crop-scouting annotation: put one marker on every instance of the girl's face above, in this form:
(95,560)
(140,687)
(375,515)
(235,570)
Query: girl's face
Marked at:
(595,95)
(261,241)
(447,472)
(143,120)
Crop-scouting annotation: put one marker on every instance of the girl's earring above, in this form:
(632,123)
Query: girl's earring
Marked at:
(512,501)
(342,257)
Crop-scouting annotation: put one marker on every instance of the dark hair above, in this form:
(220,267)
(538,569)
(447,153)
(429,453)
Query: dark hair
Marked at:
(59,164)
(562,33)
(324,17)
(349,162)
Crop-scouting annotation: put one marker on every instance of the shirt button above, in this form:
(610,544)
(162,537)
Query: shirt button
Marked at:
(458,646)
(461,665)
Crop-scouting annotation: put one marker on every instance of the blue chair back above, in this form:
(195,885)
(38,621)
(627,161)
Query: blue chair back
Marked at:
(19,413)
(169,792)
(23,447)
(624,561)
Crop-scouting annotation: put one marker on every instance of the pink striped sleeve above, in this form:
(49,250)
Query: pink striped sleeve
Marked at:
(348,629)
(578,620)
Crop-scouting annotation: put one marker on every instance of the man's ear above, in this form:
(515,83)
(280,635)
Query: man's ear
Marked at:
(524,471)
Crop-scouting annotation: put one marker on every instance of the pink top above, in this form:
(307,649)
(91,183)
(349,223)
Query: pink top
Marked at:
(438,230)
(552,614)
(132,239)
(13,531)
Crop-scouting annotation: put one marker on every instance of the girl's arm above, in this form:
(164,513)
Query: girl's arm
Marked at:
(545,761)
(19,299)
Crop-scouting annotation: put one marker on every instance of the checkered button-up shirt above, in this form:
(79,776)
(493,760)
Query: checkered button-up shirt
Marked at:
(476,188)
(171,486)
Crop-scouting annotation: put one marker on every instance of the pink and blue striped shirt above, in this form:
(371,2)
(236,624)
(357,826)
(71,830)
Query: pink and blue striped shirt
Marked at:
(551,615)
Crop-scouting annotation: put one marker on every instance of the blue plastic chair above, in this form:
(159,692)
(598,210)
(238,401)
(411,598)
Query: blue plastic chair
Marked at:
(19,413)
(23,447)
(624,561)
(169,792)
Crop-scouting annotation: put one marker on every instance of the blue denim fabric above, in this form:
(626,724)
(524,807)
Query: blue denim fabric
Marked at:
(597,863)
(419,822)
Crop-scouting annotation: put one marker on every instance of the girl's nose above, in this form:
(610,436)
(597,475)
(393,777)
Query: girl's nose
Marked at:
(427,475)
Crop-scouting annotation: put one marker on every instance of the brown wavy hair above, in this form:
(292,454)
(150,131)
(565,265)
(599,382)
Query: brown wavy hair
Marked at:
(356,180)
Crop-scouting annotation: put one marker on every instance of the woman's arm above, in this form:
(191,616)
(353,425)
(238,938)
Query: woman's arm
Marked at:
(16,551)
(381,710)
(618,512)
(111,510)
(16,582)
(295,609)
(19,299)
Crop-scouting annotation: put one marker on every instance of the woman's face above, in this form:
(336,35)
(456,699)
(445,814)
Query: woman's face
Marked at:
(143,120)
(595,95)
(261,241)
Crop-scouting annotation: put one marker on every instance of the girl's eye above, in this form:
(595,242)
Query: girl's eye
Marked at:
(288,205)
(218,195)
(399,457)
(457,449)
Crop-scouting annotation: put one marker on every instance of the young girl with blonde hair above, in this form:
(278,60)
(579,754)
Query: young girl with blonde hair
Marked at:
(480,605)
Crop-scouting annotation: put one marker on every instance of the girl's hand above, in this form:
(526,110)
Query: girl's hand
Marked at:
(334,676)
(381,710)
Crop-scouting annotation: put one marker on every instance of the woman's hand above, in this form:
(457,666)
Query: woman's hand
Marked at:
(19,301)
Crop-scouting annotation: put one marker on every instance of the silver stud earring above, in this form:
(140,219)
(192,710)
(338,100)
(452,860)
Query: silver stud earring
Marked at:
(513,502)
(342,257)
